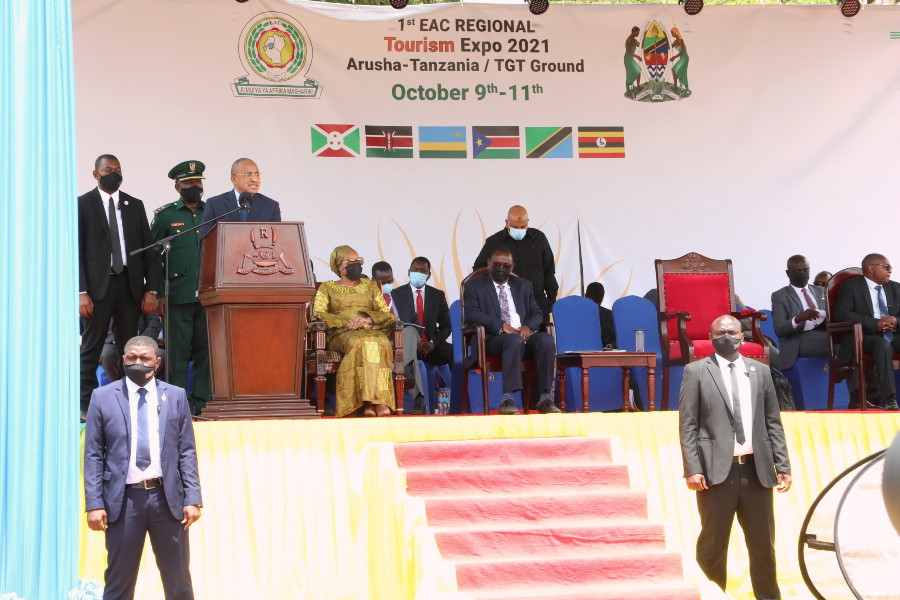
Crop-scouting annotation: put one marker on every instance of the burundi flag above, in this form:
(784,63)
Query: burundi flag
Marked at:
(442,142)
(601,142)
(548,142)
(496,142)
(334,140)
(389,141)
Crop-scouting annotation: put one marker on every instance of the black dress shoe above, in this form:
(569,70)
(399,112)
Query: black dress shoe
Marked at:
(419,408)
(508,407)
(548,407)
(854,402)
(891,404)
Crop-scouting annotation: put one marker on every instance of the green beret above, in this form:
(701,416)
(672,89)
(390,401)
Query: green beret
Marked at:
(189,169)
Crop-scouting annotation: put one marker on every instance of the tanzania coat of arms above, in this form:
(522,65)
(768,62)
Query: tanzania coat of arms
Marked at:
(656,65)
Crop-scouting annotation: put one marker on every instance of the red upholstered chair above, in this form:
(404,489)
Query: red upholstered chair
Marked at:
(478,360)
(846,332)
(321,362)
(693,291)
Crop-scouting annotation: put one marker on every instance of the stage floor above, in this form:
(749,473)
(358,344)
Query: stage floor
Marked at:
(317,509)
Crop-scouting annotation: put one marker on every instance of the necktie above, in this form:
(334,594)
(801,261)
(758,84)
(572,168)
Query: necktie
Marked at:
(809,300)
(142,456)
(882,306)
(115,241)
(244,214)
(387,300)
(420,311)
(736,407)
(504,303)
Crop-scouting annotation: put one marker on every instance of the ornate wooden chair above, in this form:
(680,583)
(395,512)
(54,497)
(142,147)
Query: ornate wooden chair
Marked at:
(321,362)
(478,360)
(693,291)
(846,332)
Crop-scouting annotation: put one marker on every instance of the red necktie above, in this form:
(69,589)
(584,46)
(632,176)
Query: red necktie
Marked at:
(809,300)
(420,311)
(387,300)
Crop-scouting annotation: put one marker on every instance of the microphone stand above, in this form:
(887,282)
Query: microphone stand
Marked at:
(165,245)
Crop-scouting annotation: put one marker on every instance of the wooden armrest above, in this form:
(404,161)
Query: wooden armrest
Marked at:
(749,314)
(547,327)
(842,327)
(680,314)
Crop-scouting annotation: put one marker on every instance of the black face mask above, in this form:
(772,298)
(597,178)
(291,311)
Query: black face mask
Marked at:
(500,274)
(191,195)
(798,278)
(111,181)
(353,272)
(726,345)
(139,374)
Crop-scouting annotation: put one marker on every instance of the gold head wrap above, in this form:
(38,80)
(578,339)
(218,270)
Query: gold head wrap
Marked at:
(337,256)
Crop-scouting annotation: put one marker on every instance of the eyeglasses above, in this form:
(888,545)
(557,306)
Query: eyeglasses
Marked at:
(353,261)
(249,175)
(887,268)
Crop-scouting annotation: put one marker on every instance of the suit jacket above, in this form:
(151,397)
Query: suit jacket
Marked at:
(437,313)
(785,306)
(107,449)
(534,261)
(264,209)
(706,423)
(483,306)
(94,246)
(854,303)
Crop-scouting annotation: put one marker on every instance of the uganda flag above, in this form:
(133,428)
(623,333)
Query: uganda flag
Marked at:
(601,142)
(548,142)
(442,142)
(496,142)
(389,141)
(334,140)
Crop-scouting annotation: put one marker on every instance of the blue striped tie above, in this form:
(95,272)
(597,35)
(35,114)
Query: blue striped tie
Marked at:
(882,306)
(142,456)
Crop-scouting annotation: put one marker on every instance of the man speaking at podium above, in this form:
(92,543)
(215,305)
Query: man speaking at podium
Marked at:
(245,178)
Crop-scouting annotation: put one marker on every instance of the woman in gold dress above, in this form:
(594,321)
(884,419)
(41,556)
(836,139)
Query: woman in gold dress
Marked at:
(358,322)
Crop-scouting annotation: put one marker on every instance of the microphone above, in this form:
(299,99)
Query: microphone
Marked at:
(245,200)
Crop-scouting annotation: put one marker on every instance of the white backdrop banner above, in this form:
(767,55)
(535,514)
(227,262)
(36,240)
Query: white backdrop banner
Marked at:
(745,132)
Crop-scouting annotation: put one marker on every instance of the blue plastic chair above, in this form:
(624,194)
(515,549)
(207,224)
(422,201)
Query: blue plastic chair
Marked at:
(634,312)
(577,323)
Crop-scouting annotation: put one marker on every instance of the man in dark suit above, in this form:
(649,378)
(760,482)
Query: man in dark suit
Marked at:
(419,303)
(596,292)
(112,284)
(246,178)
(111,358)
(873,301)
(140,474)
(531,254)
(734,452)
(798,315)
(510,314)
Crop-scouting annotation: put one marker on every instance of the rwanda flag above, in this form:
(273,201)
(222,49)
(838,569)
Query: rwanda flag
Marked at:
(334,140)
(548,142)
(442,142)
(389,141)
(496,142)
(601,142)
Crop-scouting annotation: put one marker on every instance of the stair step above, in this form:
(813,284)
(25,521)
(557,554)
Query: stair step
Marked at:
(467,481)
(672,589)
(508,575)
(559,537)
(534,508)
(505,451)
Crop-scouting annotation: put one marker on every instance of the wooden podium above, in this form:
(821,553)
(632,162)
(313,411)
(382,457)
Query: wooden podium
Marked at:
(256,282)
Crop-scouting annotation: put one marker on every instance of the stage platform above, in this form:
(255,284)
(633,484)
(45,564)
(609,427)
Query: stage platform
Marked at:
(318,509)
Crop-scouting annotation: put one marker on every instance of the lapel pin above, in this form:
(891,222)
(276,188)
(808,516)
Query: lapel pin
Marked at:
(163,397)
(753,369)
(125,203)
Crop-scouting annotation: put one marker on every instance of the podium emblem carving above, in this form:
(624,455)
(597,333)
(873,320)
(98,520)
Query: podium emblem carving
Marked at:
(264,259)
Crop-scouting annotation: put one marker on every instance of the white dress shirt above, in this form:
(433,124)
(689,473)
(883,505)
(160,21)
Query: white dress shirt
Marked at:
(515,319)
(134,474)
(104,196)
(808,325)
(743,381)
(873,293)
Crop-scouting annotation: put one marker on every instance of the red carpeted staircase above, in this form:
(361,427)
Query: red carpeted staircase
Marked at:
(549,518)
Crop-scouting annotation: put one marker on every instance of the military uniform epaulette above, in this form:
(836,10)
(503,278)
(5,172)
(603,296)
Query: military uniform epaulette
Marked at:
(164,207)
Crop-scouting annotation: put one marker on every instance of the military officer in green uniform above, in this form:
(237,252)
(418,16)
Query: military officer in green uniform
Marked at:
(186,339)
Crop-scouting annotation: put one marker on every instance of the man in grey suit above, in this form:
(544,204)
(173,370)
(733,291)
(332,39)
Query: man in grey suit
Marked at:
(140,474)
(798,314)
(734,452)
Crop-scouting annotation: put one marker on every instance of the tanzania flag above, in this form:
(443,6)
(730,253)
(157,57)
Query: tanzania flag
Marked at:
(334,140)
(442,142)
(548,142)
(388,141)
(496,142)
(601,142)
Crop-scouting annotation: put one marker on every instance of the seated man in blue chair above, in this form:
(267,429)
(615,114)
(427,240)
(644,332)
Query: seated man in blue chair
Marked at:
(512,321)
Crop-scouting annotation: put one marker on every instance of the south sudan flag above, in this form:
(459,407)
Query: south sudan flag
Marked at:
(548,142)
(334,140)
(442,142)
(601,142)
(389,141)
(496,142)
